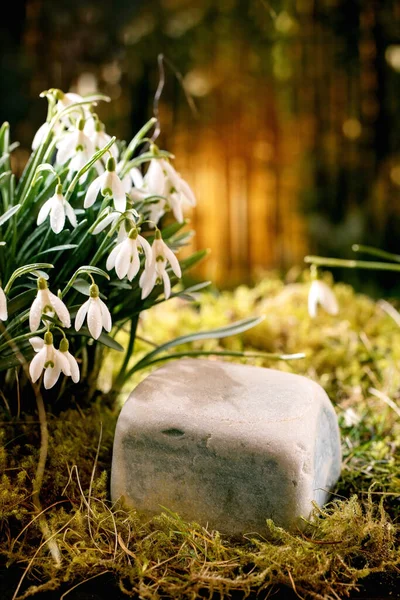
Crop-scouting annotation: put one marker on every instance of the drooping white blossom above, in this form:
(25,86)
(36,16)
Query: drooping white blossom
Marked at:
(73,365)
(3,306)
(95,130)
(98,315)
(48,358)
(125,256)
(47,302)
(162,180)
(109,184)
(58,208)
(75,146)
(320,294)
(155,269)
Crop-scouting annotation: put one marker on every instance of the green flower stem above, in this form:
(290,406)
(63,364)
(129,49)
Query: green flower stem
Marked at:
(266,355)
(351,264)
(23,271)
(121,378)
(375,252)
(133,144)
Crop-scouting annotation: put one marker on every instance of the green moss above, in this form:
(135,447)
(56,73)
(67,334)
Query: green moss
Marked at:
(354,356)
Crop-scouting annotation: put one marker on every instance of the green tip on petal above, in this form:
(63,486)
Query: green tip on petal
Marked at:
(48,338)
(42,283)
(64,345)
(133,233)
(111,164)
(94,291)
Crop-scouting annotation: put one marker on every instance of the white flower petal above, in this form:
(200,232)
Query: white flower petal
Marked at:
(110,264)
(37,364)
(110,218)
(57,216)
(123,259)
(173,261)
(40,135)
(3,306)
(147,282)
(134,266)
(44,211)
(155,178)
(73,365)
(66,148)
(106,316)
(36,342)
(35,313)
(118,193)
(187,192)
(51,376)
(145,247)
(81,314)
(167,285)
(137,178)
(94,318)
(69,211)
(60,309)
(93,191)
(62,360)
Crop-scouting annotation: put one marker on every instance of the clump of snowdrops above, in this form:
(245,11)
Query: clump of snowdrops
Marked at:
(89,237)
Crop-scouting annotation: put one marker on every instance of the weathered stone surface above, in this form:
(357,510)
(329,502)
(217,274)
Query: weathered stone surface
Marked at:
(226,445)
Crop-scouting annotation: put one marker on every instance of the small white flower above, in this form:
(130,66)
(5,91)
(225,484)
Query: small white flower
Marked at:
(321,294)
(155,270)
(43,131)
(95,130)
(58,208)
(109,184)
(3,306)
(46,302)
(98,315)
(47,357)
(75,146)
(67,99)
(125,256)
(73,365)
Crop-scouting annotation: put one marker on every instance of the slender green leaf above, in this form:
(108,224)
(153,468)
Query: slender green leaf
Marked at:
(58,248)
(10,212)
(104,339)
(220,332)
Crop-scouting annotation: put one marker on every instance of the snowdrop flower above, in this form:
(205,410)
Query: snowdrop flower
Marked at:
(48,358)
(3,306)
(95,130)
(46,302)
(109,184)
(67,99)
(125,256)
(58,208)
(321,294)
(155,270)
(42,132)
(75,145)
(73,365)
(98,315)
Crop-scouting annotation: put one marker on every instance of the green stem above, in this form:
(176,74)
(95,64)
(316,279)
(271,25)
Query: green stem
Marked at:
(351,264)
(375,252)
(122,373)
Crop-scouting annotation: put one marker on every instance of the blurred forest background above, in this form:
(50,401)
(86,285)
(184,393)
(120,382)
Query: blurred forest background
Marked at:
(295,147)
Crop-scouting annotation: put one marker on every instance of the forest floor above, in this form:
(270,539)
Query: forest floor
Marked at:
(350,549)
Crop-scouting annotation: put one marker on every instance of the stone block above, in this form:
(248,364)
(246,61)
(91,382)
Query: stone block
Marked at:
(226,445)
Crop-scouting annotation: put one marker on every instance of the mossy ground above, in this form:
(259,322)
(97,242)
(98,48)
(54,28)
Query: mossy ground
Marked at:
(354,356)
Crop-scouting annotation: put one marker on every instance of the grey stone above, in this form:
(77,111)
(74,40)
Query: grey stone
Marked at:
(226,445)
